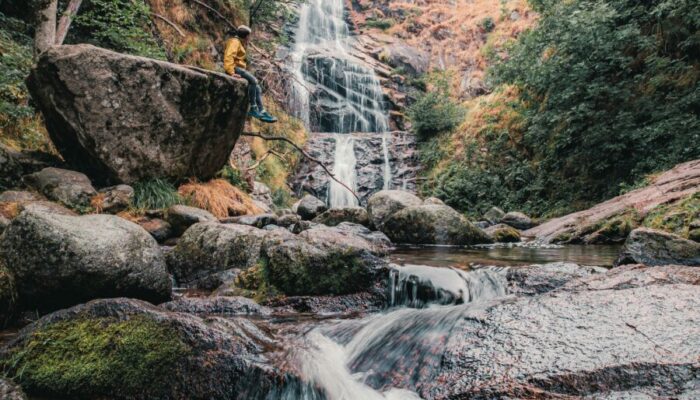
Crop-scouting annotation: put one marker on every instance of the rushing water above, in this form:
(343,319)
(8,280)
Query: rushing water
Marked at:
(386,356)
(333,91)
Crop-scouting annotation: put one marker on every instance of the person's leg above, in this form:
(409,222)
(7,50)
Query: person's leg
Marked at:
(258,98)
(252,87)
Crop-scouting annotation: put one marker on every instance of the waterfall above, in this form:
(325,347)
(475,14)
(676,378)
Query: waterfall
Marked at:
(387,165)
(344,171)
(333,91)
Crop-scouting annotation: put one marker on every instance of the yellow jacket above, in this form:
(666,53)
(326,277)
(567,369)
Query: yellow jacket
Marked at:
(234,55)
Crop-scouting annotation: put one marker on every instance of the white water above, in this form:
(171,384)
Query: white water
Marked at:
(387,165)
(333,91)
(344,171)
(385,356)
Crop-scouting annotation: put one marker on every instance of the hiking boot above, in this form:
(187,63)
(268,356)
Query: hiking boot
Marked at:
(255,113)
(267,117)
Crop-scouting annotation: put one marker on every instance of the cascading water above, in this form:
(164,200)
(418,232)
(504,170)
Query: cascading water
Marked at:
(386,356)
(333,91)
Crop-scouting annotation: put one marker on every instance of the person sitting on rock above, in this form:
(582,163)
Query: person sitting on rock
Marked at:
(235,65)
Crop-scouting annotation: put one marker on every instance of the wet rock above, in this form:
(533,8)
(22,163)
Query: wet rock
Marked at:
(258,221)
(299,266)
(10,391)
(503,233)
(517,220)
(652,247)
(123,118)
(309,207)
(70,188)
(114,199)
(182,217)
(58,261)
(219,305)
(373,300)
(537,279)
(137,351)
(494,215)
(351,235)
(606,342)
(432,224)
(433,201)
(385,203)
(377,238)
(335,216)
(19,196)
(210,253)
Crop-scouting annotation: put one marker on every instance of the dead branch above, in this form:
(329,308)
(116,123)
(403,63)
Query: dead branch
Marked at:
(264,157)
(66,20)
(305,154)
(169,22)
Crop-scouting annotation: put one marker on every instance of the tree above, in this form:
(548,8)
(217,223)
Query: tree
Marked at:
(47,33)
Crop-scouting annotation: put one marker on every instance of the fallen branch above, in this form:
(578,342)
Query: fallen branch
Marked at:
(305,154)
(169,22)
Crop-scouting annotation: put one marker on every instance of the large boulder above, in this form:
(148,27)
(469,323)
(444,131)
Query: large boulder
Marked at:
(125,349)
(70,188)
(385,203)
(217,305)
(210,253)
(494,215)
(309,207)
(347,234)
(123,118)
(432,224)
(335,216)
(59,260)
(517,220)
(182,217)
(411,60)
(502,233)
(653,247)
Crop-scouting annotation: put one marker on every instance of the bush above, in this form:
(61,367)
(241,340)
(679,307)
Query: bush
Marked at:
(234,177)
(155,194)
(487,24)
(383,24)
(435,111)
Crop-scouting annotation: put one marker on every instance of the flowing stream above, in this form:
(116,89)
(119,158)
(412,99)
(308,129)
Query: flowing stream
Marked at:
(334,92)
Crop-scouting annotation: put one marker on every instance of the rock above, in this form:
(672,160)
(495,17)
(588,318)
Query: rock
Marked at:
(694,235)
(123,118)
(409,59)
(114,199)
(8,298)
(19,196)
(219,305)
(494,215)
(538,279)
(70,188)
(288,220)
(259,221)
(432,224)
(125,349)
(182,217)
(680,182)
(299,266)
(433,201)
(652,247)
(503,233)
(46,206)
(58,261)
(10,391)
(262,194)
(210,253)
(156,227)
(335,216)
(350,235)
(10,169)
(385,203)
(634,276)
(4,223)
(309,207)
(602,342)
(301,226)
(517,220)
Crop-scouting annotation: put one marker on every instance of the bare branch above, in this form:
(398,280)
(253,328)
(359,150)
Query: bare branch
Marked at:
(169,22)
(66,20)
(305,154)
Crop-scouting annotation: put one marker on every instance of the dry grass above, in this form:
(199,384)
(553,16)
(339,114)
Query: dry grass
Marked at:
(9,210)
(219,198)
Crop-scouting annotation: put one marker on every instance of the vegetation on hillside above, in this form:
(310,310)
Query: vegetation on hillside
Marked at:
(596,96)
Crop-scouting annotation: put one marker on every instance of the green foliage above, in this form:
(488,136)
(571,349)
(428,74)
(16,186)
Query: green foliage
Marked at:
(155,194)
(97,356)
(121,25)
(234,177)
(381,23)
(435,111)
(676,217)
(487,24)
(610,93)
(281,198)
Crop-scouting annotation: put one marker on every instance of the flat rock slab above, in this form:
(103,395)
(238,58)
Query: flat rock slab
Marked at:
(122,118)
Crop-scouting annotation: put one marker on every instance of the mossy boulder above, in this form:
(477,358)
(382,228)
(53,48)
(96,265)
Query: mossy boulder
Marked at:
(309,207)
(518,220)
(653,247)
(70,188)
(128,349)
(335,216)
(386,203)
(60,260)
(680,217)
(210,252)
(503,233)
(432,224)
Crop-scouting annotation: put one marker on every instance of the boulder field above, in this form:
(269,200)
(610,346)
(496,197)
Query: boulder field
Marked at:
(121,118)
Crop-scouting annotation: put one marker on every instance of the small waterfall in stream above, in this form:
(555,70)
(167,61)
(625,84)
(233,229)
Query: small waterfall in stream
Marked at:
(386,356)
(333,91)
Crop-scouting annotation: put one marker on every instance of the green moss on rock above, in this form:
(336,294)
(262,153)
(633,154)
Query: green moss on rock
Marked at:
(676,217)
(99,356)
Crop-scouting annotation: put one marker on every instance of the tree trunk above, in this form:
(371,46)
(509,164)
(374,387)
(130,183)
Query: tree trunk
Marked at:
(66,19)
(46,26)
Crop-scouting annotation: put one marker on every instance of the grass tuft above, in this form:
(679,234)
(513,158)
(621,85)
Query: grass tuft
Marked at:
(219,197)
(155,194)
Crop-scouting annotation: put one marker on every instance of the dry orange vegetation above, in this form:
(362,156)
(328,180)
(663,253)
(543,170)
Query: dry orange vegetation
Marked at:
(219,198)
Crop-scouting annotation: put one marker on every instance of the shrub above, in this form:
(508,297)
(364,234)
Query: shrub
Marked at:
(487,24)
(435,111)
(155,194)
(382,23)
(234,177)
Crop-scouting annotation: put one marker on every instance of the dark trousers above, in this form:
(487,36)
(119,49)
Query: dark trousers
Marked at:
(254,91)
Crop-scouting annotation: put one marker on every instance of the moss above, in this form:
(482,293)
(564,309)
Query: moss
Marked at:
(676,217)
(95,357)
(155,194)
(506,235)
